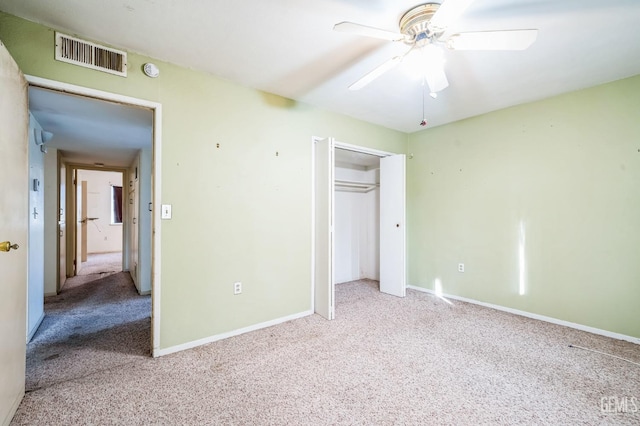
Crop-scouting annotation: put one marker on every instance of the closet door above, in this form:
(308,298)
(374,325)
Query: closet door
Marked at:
(392,225)
(323,231)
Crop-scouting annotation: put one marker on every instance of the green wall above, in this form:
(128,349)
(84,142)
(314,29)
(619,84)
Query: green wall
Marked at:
(566,168)
(240,213)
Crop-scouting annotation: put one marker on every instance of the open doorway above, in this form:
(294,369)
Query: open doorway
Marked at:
(357,216)
(99,225)
(94,133)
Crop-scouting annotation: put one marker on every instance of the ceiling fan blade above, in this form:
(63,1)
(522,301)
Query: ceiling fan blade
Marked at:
(493,40)
(448,12)
(436,79)
(363,30)
(376,72)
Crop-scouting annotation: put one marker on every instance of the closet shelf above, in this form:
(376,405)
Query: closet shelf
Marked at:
(345,185)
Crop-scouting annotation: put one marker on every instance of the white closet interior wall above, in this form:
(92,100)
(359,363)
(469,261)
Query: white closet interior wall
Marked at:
(357,218)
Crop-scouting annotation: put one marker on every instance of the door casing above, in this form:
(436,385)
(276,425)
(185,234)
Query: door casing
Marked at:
(156,183)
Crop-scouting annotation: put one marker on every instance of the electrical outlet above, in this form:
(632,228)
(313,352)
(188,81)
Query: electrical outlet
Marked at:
(460,267)
(237,288)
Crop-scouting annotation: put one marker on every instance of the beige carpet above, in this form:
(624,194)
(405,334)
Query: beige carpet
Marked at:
(383,361)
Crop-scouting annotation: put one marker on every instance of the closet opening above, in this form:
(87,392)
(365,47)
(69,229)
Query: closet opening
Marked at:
(358,220)
(357,216)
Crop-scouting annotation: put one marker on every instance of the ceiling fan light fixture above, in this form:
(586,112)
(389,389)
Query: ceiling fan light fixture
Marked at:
(423,61)
(415,22)
(425,28)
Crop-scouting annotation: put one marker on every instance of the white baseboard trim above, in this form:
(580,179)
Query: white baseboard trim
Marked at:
(189,345)
(534,316)
(33,332)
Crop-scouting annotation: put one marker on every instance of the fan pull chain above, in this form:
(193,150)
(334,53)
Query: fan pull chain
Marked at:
(424,118)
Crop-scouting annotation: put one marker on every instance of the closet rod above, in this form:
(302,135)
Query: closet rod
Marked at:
(355,186)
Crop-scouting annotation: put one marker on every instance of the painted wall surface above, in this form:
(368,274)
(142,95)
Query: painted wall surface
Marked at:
(357,228)
(240,212)
(347,213)
(370,236)
(102,236)
(35,300)
(50,188)
(540,202)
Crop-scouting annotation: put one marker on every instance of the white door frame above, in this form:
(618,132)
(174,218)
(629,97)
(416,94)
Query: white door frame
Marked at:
(155,182)
(339,145)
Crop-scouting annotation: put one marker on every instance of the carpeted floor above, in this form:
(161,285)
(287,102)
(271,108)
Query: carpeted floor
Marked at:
(96,323)
(98,265)
(101,263)
(383,361)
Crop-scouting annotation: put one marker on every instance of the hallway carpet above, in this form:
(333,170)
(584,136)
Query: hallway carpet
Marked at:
(102,263)
(383,361)
(89,327)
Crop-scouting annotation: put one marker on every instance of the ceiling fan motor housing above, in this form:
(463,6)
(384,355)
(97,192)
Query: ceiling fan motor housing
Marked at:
(415,22)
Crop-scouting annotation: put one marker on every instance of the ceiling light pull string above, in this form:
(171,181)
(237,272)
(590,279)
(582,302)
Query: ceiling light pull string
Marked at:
(424,118)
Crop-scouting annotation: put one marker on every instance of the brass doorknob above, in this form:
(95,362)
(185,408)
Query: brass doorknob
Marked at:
(7,246)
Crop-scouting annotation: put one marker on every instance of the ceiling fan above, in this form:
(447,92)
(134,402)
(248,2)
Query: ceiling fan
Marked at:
(424,29)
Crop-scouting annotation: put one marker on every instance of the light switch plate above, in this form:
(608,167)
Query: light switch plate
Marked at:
(166,211)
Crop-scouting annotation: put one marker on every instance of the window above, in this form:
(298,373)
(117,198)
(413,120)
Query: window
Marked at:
(116,205)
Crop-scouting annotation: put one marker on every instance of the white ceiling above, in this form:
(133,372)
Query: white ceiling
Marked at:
(89,131)
(289,48)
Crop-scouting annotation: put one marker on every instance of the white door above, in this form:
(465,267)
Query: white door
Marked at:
(392,225)
(35,274)
(14,121)
(323,234)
